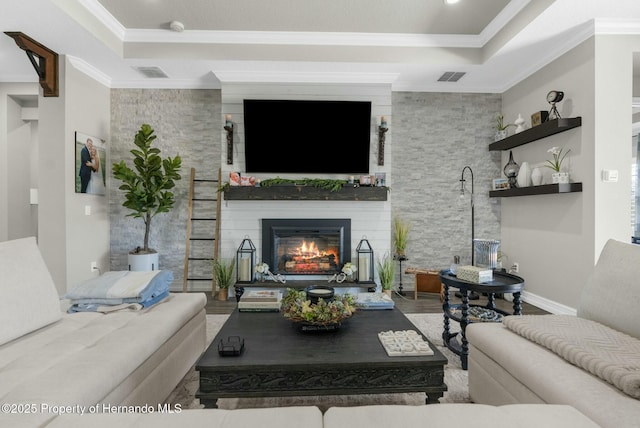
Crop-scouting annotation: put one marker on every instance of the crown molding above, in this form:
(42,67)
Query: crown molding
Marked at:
(305,77)
(505,16)
(617,27)
(555,51)
(96,9)
(304,38)
(164,84)
(89,70)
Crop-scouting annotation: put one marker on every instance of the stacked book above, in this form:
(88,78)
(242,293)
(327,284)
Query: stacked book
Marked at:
(371,301)
(260,301)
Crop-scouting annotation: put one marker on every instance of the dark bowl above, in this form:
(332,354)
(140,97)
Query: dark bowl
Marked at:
(323,292)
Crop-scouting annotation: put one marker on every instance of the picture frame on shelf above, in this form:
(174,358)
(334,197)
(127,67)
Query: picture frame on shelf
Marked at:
(500,184)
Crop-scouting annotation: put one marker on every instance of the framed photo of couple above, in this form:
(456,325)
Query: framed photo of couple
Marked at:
(91,164)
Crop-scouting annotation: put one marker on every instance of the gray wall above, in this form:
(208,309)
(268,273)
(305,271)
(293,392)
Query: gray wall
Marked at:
(186,122)
(435,136)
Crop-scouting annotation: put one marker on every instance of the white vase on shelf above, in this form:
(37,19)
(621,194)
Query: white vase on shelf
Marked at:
(524,175)
(536,176)
(519,124)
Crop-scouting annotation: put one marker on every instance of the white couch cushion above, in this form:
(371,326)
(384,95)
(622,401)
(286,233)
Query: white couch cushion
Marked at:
(611,295)
(276,417)
(83,357)
(447,415)
(29,296)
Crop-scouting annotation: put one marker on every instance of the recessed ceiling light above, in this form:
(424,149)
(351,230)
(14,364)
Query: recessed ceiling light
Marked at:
(451,1)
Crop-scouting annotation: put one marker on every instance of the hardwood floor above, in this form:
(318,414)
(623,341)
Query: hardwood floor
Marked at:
(426,303)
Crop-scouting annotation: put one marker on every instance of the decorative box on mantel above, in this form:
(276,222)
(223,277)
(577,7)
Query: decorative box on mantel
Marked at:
(305,193)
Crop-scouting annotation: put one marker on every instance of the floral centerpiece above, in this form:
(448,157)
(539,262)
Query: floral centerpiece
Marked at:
(556,165)
(297,307)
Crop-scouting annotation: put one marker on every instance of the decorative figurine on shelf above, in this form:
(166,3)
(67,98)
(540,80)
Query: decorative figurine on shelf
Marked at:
(519,124)
(554,97)
(511,171)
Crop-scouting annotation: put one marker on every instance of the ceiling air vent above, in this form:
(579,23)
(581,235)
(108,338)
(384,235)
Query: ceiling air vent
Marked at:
(451,76)
(152,72)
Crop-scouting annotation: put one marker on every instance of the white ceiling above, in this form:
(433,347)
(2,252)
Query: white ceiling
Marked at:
(406,43)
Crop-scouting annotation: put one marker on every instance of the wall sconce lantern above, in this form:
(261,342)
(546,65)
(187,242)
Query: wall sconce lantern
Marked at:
(382,130)
(245,262)
(228,126)
(364,254)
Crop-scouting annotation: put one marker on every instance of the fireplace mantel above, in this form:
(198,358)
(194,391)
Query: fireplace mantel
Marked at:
(305,193)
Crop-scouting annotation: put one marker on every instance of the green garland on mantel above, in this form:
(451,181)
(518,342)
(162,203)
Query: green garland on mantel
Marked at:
(320,183)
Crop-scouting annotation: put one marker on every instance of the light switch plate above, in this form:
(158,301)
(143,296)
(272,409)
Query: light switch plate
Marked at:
(610,175)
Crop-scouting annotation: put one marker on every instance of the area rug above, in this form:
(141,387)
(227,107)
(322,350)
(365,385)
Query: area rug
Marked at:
(429,324)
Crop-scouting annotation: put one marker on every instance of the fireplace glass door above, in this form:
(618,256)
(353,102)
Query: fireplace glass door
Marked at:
(306,246)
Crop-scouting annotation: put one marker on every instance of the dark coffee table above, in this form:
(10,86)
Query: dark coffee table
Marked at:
(279,359)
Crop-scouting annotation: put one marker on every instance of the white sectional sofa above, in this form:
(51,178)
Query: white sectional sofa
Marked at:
(520,362)
(378,416)
(51,361)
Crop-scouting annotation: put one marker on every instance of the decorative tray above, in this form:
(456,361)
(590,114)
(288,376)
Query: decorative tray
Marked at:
(479,314)
(401,343)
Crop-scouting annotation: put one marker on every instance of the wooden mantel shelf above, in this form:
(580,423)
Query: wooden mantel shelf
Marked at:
(305,193)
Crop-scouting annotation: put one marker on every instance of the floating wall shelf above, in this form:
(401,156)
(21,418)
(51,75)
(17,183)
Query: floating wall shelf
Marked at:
(543,130)
(305,193)
(545,189)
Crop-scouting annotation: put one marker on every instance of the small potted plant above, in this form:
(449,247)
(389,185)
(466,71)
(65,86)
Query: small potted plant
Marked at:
(400,233)
(556,165)
(501,127)
(223,275)
(147,190)
(387,272)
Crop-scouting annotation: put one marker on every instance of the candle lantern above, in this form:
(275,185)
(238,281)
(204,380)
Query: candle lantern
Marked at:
(364,253)
(245,261)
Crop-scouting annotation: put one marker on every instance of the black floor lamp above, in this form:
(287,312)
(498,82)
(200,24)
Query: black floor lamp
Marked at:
(473,295)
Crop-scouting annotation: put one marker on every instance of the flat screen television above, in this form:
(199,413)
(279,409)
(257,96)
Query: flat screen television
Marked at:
(307,137)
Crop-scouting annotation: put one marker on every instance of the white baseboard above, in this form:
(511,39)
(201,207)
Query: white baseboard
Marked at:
(546,304)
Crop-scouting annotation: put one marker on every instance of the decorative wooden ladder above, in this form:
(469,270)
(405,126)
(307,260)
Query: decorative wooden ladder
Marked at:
(203,196)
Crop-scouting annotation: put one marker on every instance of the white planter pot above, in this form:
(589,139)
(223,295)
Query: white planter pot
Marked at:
(143,262)
(560,177)
(500,135)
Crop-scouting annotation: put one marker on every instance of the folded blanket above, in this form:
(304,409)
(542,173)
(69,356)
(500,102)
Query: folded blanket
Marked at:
(117,287)
(604,352)
(97,307)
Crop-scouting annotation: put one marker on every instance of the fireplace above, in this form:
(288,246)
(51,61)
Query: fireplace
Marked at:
(306,246)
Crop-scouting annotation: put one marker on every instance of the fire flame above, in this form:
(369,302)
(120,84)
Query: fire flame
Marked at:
(310,250)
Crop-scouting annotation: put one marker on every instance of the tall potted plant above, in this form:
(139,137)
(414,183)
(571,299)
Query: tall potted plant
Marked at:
(400,233)
(147,190)
(387,272)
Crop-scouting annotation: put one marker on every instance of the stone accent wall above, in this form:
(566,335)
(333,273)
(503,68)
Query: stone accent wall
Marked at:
(186,122)
(435,135)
